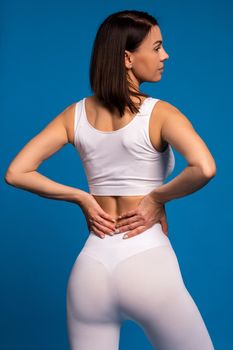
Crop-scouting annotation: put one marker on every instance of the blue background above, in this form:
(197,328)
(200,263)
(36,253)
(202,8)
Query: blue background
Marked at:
(45,53)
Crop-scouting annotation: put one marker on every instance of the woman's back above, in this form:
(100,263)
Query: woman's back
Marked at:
(102,121)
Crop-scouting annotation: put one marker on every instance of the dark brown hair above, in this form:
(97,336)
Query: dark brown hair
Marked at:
(124,30)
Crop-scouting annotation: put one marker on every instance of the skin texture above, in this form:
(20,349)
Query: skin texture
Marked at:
(167,125)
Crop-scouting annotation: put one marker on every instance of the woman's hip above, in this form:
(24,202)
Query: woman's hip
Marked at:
(111,250)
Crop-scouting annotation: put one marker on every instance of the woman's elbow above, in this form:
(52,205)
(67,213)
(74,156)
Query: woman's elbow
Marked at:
(210,170)
(9,177)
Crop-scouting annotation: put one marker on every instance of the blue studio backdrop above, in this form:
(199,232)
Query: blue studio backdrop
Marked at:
(45,54)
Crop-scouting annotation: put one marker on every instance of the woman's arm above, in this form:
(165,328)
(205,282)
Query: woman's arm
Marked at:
(177,130)
(22,170)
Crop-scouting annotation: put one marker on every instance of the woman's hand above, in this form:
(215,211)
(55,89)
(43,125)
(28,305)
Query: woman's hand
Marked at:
(97,219)
(147,213)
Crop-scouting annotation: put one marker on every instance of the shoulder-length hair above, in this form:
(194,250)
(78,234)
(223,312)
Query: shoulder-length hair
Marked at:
(124,30)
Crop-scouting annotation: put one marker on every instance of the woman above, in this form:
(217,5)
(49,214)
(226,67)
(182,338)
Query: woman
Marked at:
(125,139)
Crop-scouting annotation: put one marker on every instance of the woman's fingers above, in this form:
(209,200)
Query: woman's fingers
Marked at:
(135,232)
(129,224)
(103,226)
(130,220)
(127,214)
(101,219)
(164,225)
(98,232)
(107,216)
(105,223)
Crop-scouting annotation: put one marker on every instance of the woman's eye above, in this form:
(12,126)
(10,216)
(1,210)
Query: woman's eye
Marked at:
(157,48)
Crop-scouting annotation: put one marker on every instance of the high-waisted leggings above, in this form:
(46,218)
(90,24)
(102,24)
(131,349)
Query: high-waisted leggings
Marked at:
(138,279)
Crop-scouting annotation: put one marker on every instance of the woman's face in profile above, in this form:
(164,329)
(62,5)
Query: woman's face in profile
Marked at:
(146,62)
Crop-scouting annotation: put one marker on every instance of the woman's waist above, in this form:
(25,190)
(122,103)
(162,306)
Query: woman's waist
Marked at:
(116,205)
(153,236)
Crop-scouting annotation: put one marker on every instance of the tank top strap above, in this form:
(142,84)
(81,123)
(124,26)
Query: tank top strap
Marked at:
(77,117)
(149,105)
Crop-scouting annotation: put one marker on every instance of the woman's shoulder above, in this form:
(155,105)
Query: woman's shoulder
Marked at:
(68,116)
(167,117)
(166,110)
(163,104)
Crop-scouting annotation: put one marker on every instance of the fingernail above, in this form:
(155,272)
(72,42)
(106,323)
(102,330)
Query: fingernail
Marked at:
(111,233)
(117,230)
(125,236)
(102,236)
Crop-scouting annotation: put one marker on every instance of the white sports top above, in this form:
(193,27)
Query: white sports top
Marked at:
(124,161)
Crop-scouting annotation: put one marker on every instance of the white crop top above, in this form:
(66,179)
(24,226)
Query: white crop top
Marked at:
(121,162)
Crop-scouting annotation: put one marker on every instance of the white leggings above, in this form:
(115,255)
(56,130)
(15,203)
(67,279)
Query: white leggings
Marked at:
(138,279)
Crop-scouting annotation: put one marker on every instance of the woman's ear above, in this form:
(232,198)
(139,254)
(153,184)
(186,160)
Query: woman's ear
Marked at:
(128,59)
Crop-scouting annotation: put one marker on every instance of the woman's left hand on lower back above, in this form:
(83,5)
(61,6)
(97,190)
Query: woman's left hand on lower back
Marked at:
(147,213)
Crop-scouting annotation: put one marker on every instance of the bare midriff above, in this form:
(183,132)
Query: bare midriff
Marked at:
(117,205)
